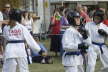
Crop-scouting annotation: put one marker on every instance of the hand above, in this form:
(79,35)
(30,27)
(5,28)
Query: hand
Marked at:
(84,33)
(83,47)
(102,32)
(4,22)
(42,53)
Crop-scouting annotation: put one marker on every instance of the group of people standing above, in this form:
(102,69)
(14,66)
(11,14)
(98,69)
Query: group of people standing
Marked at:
(16,30)
(80,39)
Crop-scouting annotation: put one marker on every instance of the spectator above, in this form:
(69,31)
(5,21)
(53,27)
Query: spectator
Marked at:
(83,14)
(41,46)
(64,25)
(36,57)
(55,31)
(85,9)
(27,20)
(6,11)
(106,18)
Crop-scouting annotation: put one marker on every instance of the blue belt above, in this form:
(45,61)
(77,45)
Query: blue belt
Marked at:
(73,53)
(16,41)
(100,45)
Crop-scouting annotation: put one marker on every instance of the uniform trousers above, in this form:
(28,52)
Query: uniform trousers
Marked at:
(92,56)
(78,68)
(10,64)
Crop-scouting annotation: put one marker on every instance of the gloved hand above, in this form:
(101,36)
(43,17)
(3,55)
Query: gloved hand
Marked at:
(42,53)
(84,33)
(102,32)
(83,47)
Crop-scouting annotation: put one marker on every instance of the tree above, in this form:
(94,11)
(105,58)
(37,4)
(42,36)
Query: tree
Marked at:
(13,3)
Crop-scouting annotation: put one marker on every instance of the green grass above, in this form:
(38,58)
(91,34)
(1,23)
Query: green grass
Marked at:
(55,67)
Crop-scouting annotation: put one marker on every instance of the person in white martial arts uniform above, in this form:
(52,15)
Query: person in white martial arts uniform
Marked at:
(98,31)
(73,42)
(15,53)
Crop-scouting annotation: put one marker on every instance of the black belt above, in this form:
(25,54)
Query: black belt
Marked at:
(16,41)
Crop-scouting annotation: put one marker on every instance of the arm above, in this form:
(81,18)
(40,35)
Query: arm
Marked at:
(4,22)
(30,41)
(103,30)
(52,21)
(86,34)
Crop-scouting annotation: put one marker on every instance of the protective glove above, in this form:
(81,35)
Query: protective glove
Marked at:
(84,33)
(102,32)
(83,47)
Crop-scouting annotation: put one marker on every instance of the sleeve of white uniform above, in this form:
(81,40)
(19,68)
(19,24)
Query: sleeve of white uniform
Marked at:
(88,40)
(87,27)
(68,41)
(104,27)
(30,41)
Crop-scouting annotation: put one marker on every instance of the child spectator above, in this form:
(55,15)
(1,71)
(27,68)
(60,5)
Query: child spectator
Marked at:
(36,57)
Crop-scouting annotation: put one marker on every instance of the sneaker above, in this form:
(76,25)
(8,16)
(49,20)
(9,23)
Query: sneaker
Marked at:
(43,61)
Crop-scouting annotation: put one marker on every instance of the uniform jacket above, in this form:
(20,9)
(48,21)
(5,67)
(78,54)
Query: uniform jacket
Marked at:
(18,32)
(70,41)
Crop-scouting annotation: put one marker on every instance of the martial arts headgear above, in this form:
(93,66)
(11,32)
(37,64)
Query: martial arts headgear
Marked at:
(15,14)
(70,17)
(100,14)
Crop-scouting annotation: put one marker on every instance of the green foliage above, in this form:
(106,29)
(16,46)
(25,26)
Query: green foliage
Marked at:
(14,3)
(55,67)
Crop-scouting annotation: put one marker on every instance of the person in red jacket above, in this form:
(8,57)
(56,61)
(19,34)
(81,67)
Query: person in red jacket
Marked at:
(83,13)
(55,31)
(106,19)
(105,22)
